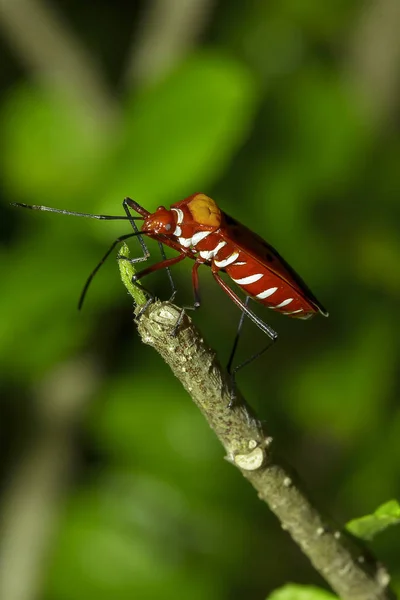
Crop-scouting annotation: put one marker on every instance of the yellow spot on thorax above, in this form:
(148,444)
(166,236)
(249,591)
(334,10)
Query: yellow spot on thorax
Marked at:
(205,211)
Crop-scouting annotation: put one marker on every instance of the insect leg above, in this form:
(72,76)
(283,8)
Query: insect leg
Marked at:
(196,293)
(169,274)
(249,313)
(128,202)
(107,254)
(164,264)
(249,360)
(233,372)
(252,316)
(136,207)
(237,336)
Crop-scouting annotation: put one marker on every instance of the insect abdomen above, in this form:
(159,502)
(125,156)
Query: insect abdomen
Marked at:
(266,287)
(257,281)
(261,283)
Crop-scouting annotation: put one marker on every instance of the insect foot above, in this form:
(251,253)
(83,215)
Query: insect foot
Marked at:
(232,392)
(178,323)
(144,308)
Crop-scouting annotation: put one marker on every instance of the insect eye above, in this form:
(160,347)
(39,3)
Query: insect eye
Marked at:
(168,226)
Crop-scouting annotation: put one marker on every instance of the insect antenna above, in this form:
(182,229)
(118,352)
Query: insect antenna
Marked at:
(76,214)
(128,217)
(102,261)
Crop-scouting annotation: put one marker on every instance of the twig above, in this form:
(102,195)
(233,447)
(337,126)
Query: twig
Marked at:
(343,561)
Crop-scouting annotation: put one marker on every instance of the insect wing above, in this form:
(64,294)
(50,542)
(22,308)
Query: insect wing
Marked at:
(247,241)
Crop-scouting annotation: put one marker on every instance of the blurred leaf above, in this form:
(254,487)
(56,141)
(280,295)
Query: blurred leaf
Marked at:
(181,133)
(341,393)
(320,19)
(101,553)
(49,149)
(377,256)
(301,592)
(374,475)
(149,399)
(368,527)
(43,323)
(329,134)
(272,44)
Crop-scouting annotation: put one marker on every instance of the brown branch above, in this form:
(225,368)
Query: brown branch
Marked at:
(341,560)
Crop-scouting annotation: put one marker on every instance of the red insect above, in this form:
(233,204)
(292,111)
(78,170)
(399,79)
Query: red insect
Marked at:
(198,229)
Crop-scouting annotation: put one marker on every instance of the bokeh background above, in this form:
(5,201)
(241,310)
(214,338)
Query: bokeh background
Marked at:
(287,113)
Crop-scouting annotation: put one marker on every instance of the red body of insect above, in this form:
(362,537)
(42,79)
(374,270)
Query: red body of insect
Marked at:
(198,229)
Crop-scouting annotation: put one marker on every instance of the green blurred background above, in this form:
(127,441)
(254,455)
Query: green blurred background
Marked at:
(113,486)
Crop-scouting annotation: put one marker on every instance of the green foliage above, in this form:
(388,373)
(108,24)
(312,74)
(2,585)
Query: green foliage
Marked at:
(368,527)
(351,401)
(260,116)
(106,549)
(50,148)
(300,592)
(178,134)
